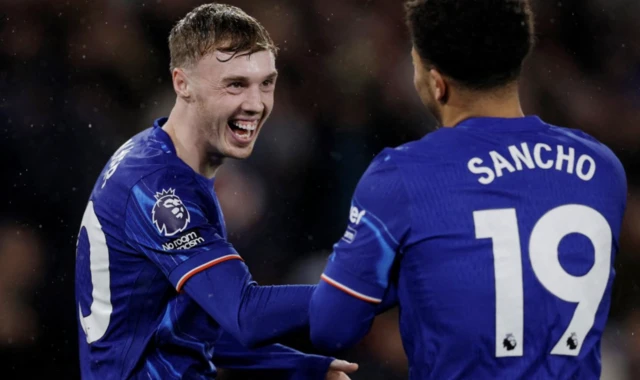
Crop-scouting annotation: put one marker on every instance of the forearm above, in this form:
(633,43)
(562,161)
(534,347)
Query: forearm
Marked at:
(253,314)
(277,310)
(338,319)
(276,360)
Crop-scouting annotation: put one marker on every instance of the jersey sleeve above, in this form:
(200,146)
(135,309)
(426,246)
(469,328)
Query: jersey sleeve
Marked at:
(379,220)
(166,221)
(273,361)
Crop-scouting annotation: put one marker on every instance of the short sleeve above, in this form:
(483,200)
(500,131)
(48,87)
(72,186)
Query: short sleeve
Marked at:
(378,222)
(174,220)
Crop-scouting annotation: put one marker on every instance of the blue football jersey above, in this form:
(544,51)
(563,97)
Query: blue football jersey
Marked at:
(500,235)
(151,223)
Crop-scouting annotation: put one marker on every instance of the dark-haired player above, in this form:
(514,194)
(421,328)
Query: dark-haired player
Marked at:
(160,292)
(499,230)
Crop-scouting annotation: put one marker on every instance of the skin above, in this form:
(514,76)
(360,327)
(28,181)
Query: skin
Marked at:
(450,103)
(221,88)
(217,89)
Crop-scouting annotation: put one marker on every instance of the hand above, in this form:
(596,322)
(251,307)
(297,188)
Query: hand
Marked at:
(339,369)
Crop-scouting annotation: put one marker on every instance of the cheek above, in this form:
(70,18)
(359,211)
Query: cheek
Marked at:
(268,101)
(418,82)
(220,108)
(200,96)
(422,90)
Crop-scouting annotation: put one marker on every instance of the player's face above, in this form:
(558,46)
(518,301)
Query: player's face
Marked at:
(234,97)
(425,86)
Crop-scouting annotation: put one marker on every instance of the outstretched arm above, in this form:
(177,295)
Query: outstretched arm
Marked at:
(356,283)
(252,314)
(173,220)
(274,361)
(333,331)
(227,292)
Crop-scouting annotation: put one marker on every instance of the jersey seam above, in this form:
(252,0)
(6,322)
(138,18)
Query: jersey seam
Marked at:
(406,193)
(349,272)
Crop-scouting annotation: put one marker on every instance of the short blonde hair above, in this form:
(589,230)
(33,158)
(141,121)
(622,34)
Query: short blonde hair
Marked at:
(212,27)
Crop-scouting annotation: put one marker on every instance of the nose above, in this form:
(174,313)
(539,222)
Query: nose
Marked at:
(253,103)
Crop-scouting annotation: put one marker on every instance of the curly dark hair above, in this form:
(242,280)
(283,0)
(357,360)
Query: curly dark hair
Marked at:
(211,27)
(478,43)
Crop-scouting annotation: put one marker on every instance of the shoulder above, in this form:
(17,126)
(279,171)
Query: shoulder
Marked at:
(590,142)
(442,143)
(597,149)
(172,197)
(384,166)
(391,163)
(382,181)
(167,182)
(144,166)
(425,152)
(144,156)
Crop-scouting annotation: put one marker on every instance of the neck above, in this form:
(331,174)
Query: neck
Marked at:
(188,141)
(465,104)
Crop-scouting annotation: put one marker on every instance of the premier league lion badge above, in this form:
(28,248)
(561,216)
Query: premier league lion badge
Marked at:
(169,213)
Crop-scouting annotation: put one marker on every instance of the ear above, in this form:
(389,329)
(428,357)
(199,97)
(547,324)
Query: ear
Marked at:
(440,86)
(181,83)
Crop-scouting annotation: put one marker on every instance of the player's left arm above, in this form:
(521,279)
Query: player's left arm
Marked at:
(274,361)
(356,283)
(166,221)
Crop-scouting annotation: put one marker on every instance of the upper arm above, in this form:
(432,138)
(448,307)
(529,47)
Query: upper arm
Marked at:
(356,279)
(378,222)
(167,220)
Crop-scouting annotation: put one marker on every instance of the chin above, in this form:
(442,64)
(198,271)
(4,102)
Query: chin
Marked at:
(239,153)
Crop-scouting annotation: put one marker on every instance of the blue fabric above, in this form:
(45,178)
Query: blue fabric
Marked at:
(432,216)
(157,283)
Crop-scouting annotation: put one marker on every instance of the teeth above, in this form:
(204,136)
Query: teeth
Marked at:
(246,125)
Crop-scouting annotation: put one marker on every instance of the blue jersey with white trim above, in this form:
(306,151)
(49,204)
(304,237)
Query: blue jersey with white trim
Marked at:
(151,224)
(500,235)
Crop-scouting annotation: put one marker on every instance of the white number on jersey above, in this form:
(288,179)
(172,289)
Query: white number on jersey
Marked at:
(95,324)
(501,225)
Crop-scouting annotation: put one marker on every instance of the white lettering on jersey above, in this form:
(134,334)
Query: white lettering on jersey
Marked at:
(520,158)
(185,241)
(474,168)
(355,215)
(118,156)
(349,235)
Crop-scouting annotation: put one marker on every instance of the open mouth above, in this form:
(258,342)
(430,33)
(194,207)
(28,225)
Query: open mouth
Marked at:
(243,130)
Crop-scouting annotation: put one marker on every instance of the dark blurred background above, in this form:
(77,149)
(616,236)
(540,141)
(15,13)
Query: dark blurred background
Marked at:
(79,77)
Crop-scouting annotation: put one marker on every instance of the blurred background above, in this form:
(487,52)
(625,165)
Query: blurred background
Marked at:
(79,77)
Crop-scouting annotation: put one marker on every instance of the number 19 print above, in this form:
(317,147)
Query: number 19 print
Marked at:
(501,225)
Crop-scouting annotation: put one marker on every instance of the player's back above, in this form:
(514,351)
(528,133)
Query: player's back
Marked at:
(507,270)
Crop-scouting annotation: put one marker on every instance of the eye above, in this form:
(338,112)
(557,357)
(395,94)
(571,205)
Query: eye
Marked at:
(171,203)
(236,85)
(268,82)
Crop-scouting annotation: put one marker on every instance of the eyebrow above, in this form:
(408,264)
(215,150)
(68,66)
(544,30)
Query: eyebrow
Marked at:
(240,78)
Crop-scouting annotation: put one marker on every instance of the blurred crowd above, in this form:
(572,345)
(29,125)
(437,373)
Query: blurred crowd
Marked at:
(79,77)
